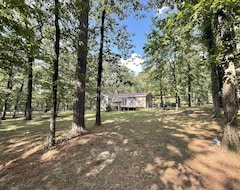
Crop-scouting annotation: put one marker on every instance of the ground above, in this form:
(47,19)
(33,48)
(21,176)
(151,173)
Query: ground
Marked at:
(134,150)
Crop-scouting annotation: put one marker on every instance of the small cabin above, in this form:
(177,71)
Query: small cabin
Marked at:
(130,101)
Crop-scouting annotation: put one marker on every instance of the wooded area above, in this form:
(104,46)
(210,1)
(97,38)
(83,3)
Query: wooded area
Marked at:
(63,55)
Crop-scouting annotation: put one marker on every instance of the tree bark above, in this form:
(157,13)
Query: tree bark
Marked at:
(230,139)
(29,89)
(17,101)
(100,68)
(161,97)
(177,99)
(55,76)
(9,87)
(220,74)
(210,42)
(78,123)
(189,86)
(215,93)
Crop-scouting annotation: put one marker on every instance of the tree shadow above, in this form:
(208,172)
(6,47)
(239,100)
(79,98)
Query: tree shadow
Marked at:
(134,150)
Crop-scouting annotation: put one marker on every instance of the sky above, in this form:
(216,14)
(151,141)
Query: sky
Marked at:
(140,27)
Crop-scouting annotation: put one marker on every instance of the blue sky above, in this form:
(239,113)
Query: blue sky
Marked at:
(140,27)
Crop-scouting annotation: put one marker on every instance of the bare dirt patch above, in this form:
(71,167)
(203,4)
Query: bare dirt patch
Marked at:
(150,149)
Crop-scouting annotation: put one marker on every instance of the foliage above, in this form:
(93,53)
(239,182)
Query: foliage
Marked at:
(173,61)
(108,107)
(215,22)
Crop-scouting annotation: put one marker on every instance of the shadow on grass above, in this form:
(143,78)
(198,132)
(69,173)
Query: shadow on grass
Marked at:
(132,150)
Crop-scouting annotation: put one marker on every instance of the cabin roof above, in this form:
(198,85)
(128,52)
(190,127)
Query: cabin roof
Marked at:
(128,95)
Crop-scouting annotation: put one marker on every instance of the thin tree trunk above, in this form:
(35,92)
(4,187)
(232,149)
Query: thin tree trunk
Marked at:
(215,93)
(99,79)
(175,85)
(9,88)
(161,98)
(189,86)
(4,110)
(55,76)
(78,123)
(230,139)
(29,89)
(17,101)
(220,74)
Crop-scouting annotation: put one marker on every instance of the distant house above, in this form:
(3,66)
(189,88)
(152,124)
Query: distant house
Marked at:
(130,101)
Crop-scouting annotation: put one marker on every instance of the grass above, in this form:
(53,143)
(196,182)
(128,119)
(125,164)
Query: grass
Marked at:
(145,149)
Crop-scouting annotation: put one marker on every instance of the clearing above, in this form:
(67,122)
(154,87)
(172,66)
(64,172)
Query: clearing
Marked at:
(133,150)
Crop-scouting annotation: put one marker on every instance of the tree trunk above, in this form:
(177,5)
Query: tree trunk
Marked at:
(210,42)
(230,139)
(4,110)
(17,101)
(220,74)
(78,123)
(161,98)
(29,89)
(175,85)
(99,79)
(9,88)
(189,86)
(215,93)
(55,76)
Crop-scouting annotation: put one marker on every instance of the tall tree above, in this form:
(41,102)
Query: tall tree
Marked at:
(55,75)
(78,123)
(189,85)
(230,101)
(29,88)
(113,35)
(209,36)
(33,26)
(100,67)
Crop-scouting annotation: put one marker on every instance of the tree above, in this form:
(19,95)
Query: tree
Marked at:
(29,87)
(17,100)
(100,62)
(9,89)
(55,75)
(78,123)
(109,24)
(210,42)
(118,79)
(230,101)
(33,42)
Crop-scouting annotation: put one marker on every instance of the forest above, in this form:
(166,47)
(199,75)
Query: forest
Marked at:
(58,57)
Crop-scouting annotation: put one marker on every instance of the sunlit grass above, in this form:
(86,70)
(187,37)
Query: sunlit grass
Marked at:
(40,121)
(166,145)
(122,119)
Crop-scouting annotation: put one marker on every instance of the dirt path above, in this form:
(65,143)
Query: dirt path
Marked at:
(162,150)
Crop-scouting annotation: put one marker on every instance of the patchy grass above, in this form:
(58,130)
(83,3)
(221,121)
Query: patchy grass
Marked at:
(147,149)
